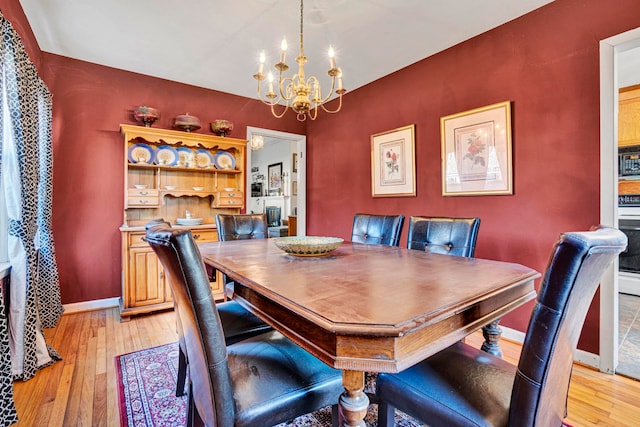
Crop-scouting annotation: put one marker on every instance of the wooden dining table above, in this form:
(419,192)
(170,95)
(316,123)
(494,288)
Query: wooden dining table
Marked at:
(369,308)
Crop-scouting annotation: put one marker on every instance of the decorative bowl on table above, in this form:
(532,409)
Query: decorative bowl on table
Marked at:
(146,115)
(186,122)
(221,127)
(307,245)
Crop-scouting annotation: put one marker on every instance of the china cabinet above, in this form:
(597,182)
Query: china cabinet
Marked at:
(185,178)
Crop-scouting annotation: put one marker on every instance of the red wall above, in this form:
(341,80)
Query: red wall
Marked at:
(547,64)
(90,103)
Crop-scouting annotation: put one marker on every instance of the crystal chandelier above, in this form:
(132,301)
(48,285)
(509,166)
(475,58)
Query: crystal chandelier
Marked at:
(257,142)
(302,94)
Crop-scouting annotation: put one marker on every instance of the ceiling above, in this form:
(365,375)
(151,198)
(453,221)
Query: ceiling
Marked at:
(215,44)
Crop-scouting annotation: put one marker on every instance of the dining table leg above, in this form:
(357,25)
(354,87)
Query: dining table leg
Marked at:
(353,403)
(492,333)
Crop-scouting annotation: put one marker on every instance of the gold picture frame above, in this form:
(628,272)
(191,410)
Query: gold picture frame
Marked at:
(476,151)
(393,171)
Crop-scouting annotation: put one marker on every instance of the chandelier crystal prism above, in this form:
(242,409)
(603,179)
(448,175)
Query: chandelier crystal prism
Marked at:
(302,94)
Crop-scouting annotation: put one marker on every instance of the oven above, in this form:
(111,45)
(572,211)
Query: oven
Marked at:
(629,260)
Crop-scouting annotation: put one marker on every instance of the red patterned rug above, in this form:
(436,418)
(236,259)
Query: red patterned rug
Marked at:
(146,394)
(147,386)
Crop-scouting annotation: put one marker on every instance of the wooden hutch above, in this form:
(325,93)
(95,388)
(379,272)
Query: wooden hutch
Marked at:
(182,177)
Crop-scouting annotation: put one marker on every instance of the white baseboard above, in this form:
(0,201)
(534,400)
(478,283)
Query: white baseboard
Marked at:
(512,335)
(98,304)
(581,356)
(586,358)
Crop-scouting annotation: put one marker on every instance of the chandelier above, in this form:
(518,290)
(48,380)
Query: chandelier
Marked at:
(302,94)
(257,142)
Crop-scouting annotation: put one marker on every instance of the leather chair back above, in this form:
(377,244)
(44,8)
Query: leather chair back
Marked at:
(203,334)
(241,226)
(443,235)
(377,229)
(576,265)
(462,385)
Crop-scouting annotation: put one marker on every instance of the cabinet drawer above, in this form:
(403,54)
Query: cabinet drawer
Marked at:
(202,236)
(135,240)
(231,198)
(143,202)
(143,192)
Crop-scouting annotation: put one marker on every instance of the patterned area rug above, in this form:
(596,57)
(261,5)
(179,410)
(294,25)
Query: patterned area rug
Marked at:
(146,392)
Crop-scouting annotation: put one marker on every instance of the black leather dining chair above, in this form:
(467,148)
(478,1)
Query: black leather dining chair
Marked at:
(463,386)
(241,226)
(237,323)
(377,229)
(443,235)
(260,381)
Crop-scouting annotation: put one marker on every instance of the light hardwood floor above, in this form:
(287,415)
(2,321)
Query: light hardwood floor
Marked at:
(81,389)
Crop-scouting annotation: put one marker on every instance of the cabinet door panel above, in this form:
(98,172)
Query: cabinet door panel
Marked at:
(145,275)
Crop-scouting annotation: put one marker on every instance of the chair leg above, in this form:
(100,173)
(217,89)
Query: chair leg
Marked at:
(191,407)
(335,417)
(182,372)
(386,414)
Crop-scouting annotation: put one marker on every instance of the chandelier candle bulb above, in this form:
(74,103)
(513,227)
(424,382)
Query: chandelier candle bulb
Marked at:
(263,58)
(332,59)
(283,52)
(270,83)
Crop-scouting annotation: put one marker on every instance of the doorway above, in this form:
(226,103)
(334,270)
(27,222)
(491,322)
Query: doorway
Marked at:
(612,52)
(290,151)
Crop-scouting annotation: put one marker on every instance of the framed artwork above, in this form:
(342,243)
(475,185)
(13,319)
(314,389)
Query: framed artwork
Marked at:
(274,177)
(476,151)
(294,188)
(393,172)
(294,163)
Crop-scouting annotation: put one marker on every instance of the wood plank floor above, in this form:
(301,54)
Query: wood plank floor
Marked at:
(81,389)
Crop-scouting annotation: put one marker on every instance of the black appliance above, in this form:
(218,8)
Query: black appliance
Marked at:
(630,258)
(629,200)
(256,189)
(629,161)
(629,173)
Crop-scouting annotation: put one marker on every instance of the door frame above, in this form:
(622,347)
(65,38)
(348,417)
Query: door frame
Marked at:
(301,149)
(609,49)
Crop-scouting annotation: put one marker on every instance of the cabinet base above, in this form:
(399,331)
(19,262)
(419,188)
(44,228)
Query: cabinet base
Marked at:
(126,313)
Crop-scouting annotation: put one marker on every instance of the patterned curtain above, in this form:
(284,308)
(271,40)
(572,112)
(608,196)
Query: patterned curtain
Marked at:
(26,167)
(8,414)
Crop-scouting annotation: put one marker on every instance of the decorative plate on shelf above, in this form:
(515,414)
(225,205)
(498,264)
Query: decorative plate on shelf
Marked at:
(224,160)
(307,245)
(140,153)
(188,221)
(204,159)
(166,155)
(183,155)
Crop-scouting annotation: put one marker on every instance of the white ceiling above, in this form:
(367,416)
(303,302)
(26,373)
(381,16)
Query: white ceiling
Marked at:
(215,43)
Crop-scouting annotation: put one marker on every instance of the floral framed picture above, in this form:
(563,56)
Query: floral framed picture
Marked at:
(393,172)
(476,151)
(274,178)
